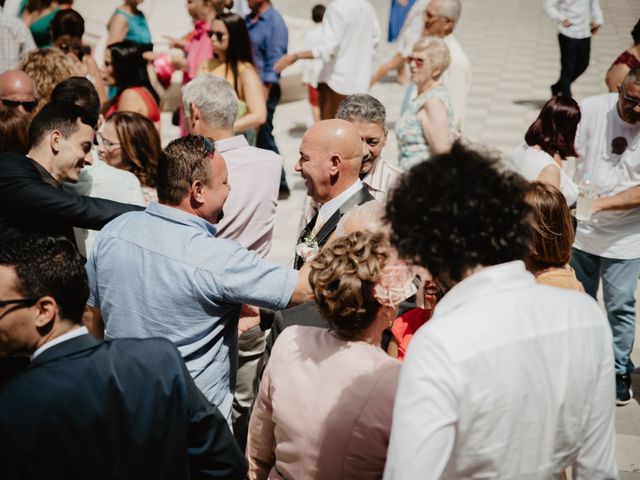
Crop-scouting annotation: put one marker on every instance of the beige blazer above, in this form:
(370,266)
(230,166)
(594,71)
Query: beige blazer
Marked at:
(323,409)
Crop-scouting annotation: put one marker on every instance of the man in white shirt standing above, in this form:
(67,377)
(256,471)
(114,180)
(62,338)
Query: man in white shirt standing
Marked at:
(576,21)
(509,378)
(608,246)
(350,34)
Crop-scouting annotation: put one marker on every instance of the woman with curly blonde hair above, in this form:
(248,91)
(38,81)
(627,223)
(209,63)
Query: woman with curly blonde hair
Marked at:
(130,141)
(47,67)
(326,396)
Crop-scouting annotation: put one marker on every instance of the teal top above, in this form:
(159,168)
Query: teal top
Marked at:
(40,29)
(138,30)
(413,146)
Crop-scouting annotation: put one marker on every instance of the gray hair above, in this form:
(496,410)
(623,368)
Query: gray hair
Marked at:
(451,9)
(362,107)
(214,97)
(368,217)
(437,52)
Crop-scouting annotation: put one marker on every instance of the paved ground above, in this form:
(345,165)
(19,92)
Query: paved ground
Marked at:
(514,54)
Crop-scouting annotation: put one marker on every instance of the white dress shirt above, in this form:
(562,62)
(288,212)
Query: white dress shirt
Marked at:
(350,33)
(381,179)
(509,379)
(332,206)
(457,79)
(579,13)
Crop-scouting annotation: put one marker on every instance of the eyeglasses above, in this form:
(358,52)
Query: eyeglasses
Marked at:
(26,302)
(417,60)
(631,100)
(28,106)
(105,141)
(219,35)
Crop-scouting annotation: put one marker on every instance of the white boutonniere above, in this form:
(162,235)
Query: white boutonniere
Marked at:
(307,248)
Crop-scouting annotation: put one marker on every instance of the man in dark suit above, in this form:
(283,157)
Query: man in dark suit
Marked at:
(331,154)
(31,196)
(85,408)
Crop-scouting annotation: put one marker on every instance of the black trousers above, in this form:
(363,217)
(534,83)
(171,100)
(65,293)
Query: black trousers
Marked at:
(574,60)
(265,137)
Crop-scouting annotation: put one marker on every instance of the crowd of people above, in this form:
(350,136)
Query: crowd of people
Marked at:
(439,319)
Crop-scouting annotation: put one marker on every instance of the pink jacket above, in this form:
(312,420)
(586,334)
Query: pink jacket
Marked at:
(323,410)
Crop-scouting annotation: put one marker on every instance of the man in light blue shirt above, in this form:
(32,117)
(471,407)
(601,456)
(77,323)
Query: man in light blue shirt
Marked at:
(163,272)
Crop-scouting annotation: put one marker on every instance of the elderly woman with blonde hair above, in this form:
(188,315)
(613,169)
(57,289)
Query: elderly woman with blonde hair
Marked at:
(326,397)
(427,126)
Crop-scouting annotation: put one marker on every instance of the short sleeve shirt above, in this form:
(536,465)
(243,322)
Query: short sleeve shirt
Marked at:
(163,273)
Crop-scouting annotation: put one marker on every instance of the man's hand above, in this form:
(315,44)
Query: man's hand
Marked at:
(249,318)
(595,27)
(284,62)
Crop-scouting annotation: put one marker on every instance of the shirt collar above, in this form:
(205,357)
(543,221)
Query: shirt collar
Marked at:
(488,281)
(232,143)
(264,15)
(176,215)
(45,176)
(76,332)
(370,179)
(329,208)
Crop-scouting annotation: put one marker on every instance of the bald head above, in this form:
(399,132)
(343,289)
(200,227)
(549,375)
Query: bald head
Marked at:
(331,153)
(16,86)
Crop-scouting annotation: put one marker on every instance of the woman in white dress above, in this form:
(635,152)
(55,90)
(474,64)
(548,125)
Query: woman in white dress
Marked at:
(548,142)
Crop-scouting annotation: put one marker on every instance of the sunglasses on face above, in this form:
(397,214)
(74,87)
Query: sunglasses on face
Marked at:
(28,106)
(630,100)
(418,61)
(219,35)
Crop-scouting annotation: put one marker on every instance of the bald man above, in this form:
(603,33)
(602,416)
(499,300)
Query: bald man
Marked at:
(18,91)
(331,153)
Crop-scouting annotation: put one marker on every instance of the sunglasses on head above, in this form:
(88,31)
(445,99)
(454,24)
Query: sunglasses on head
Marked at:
(208,145)
(219,35)
(28,106)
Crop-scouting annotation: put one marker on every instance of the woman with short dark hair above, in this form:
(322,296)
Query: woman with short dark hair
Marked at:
(326,397)
(548,142)
(552,237)
(126,69)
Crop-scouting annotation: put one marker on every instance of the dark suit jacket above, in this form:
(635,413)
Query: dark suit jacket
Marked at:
(120,409)
(358,198)
(29,204)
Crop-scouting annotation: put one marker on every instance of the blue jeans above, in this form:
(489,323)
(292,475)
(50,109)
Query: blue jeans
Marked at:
(619,282)
(265,138)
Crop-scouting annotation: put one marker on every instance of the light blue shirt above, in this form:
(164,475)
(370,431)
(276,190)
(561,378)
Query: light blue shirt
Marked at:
(163,273)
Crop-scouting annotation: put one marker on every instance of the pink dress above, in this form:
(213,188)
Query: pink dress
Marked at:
(152,107)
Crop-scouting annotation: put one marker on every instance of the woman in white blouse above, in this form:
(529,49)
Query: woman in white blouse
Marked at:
(549,141)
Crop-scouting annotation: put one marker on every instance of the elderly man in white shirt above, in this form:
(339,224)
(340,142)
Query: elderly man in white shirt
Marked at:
(350,34)
(509,378)
(576,21)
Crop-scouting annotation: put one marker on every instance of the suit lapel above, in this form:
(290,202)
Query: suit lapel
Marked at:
(358,198)
(66,348)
